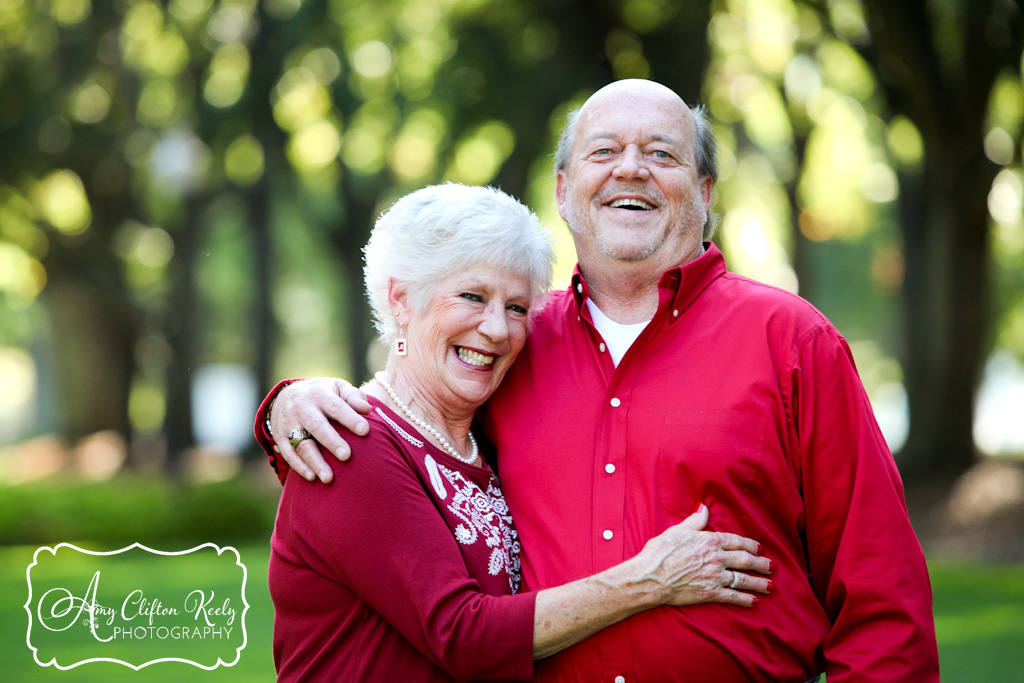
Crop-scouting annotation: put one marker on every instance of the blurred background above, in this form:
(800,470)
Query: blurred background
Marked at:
(185,187)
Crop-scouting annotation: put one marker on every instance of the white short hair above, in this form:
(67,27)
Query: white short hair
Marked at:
(441,230)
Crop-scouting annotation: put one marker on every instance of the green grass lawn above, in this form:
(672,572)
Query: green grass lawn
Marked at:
(979,617)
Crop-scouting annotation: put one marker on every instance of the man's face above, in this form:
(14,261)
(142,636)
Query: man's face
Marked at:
(631,190)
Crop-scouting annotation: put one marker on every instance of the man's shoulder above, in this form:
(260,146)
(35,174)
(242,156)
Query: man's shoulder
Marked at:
(558,305)
(771,300)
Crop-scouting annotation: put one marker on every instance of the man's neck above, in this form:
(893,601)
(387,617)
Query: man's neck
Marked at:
(624,300)
(628,293)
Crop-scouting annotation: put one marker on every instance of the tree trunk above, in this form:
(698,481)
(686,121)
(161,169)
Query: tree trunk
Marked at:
(182,335)
(94,348)
(943,83)
(359,197)
(946,297)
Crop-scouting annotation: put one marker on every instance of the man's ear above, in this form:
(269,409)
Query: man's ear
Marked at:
(398,300)
(707,187)
(561,186)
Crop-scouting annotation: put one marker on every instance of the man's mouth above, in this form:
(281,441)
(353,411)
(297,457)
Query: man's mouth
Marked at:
(631,204)
(473,358)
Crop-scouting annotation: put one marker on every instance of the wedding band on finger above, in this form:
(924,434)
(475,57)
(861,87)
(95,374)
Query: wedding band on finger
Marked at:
(297,436)
(735,581)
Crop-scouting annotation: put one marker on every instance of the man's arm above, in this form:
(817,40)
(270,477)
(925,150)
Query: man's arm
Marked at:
(866,564)
(309,404)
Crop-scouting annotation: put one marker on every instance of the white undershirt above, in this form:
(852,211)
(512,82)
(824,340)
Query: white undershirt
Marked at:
(617,336)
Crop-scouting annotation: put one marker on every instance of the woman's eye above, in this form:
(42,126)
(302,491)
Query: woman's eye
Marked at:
(522,310)
(469,296)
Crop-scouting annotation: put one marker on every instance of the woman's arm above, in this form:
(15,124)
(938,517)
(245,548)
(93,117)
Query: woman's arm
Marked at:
(377,531)
(683,566)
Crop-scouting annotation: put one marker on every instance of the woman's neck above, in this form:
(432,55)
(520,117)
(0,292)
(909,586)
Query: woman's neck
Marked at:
(452,423)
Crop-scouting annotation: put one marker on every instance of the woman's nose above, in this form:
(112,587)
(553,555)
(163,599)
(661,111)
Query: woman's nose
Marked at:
(494,324)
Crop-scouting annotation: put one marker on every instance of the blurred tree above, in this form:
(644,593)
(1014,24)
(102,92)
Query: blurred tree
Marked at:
(139,131)
(939,65)
(66,113)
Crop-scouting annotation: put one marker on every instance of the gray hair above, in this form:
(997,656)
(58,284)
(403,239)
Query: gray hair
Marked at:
(442,230)
(707,152)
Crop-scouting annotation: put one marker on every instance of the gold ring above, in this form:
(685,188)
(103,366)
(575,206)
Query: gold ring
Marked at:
(297,436)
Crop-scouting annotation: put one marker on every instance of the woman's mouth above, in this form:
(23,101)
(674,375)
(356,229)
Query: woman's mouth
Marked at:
(473,358)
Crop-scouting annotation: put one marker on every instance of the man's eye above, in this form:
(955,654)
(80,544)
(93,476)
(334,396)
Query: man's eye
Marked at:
(661,154)
(469,296)
(603,151)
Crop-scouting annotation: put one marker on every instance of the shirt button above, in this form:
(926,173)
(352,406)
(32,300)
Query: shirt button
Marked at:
(607,534)
(620,679)
(601,346)
(609,468)
(616,403)
(579,287)
(675,313)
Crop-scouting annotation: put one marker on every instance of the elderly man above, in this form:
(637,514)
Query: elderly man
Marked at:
(659,380)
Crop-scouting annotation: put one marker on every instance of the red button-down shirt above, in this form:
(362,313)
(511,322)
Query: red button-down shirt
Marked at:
(743,397)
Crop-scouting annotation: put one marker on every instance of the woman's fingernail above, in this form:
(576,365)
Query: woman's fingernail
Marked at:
(771,567)
(697,509)
(759,549)
(771,586)
(756,600)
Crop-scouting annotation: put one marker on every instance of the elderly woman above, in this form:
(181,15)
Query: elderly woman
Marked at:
(407,567)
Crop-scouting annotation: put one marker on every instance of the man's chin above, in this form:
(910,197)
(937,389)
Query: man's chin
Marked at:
(628,252)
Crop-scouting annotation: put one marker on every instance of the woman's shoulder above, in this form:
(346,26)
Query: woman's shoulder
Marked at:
(386,439)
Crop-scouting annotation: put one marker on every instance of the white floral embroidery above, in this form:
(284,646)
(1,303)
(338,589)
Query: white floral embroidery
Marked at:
(435,477)
(485,515)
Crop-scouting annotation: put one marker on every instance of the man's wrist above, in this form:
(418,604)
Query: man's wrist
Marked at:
(266,422)
(265,409)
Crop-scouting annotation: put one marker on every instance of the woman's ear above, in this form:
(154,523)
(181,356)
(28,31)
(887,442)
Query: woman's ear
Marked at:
(398,300)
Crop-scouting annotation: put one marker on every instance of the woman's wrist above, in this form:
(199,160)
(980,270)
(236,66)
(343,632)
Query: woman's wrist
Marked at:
(636,585)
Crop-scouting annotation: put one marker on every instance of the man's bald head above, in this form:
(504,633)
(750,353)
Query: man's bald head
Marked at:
(626,90)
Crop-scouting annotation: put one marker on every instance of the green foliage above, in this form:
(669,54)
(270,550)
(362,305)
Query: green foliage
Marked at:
(202,171)
(133,508)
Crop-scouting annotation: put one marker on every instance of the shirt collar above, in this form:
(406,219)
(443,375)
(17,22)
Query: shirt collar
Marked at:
(677,287)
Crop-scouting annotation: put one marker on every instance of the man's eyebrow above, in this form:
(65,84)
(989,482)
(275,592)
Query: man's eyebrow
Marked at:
(657,137)
(664,138)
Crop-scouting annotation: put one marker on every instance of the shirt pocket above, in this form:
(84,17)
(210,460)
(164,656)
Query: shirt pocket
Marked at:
(711,456)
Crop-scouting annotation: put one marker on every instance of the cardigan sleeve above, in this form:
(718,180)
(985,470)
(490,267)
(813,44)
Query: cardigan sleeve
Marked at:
(866,564)
(377,530)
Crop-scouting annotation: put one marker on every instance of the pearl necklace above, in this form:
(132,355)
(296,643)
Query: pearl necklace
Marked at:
(427,427)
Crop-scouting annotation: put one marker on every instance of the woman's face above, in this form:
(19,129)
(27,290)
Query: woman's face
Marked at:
(462,345)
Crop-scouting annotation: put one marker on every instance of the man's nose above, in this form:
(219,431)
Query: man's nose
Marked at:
(631,164)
